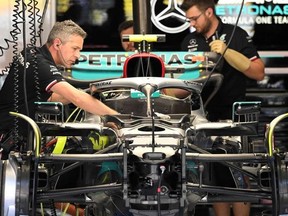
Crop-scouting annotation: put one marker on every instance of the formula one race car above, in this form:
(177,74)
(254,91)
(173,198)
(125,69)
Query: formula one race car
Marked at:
(156,158)
(154,164)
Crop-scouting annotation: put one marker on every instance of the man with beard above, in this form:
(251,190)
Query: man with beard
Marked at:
(241,61)
(127,28)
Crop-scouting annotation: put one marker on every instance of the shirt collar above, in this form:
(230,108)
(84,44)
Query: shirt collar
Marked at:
(218,32)
(46,53)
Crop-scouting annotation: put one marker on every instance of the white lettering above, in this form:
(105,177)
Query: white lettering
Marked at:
(280,20)
(242,20)
(263,20)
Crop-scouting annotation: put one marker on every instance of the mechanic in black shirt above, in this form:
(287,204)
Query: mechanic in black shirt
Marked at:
(241,61)
(43,80)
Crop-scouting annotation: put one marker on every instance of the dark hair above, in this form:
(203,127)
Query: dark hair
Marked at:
(125,25)
(202,5)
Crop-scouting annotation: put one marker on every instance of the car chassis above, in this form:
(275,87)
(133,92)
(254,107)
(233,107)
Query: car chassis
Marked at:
(151,153)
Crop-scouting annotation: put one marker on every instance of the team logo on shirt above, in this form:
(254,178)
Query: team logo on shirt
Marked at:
(54,70)
(192,45)
(193,42)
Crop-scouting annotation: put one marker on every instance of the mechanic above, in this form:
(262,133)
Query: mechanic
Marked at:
(241,62)
(126,27)
(43,80)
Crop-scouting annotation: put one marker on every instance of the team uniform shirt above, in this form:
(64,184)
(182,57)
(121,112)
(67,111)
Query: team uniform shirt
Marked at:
(34,84)
(233,87)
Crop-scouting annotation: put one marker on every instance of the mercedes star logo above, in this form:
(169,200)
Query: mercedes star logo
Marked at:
(171,11)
